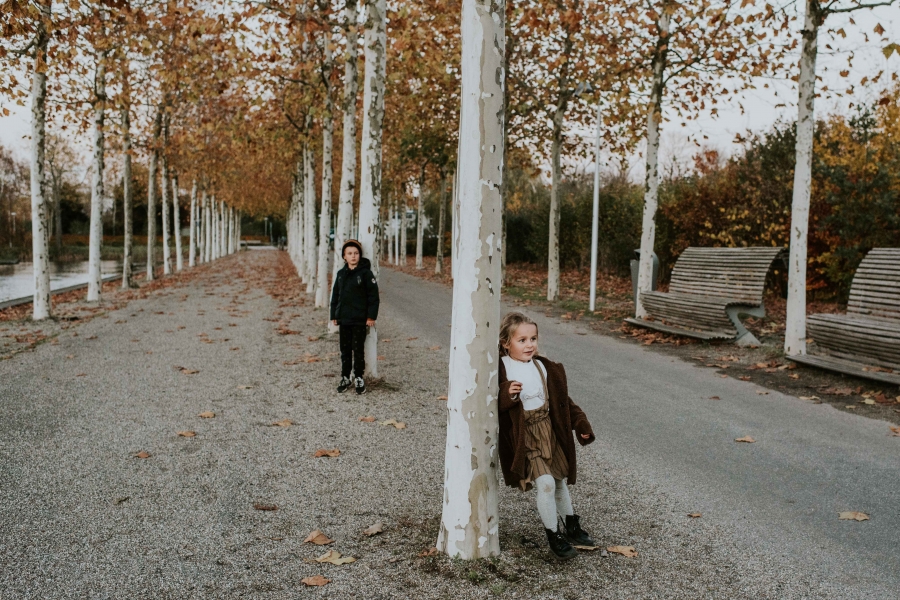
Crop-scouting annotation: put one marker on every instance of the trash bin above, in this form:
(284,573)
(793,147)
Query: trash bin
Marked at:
(635,266)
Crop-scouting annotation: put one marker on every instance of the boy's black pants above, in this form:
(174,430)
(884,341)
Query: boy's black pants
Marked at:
(353,354)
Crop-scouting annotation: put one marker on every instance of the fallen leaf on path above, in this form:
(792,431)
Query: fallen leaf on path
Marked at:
(313,338)
(895,430)
(332,453)
(587,548)
(794,376)
(852,515)
(369,419)
(714,398)
(334,557)
(374,529)
(397,424)
(283,423)
(207,415)
(746,439)
(434,348)
(236,348)
(318,538)
(762,393)
(315,580)
(430,552)
(245,387)
(867,401)
(187,433)
(262,506)
(85,375)
(695,515)
(832,391)
(92,337)
(442,398)
(142,454)
(381,357)
(815,399)
(744,378)
(628,551)
(185,370)
(411,339)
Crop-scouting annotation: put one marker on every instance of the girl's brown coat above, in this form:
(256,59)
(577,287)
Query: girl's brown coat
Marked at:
(565,416)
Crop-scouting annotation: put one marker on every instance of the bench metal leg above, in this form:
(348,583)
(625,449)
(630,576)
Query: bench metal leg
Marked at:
(744,337)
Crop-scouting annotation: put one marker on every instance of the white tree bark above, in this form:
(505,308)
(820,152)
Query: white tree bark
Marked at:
(454,221)
(312,261)
(164,204)
(301,218)
(204,243)
(223,234)
(442,212)
(404,229)
(469,522)
(651,181)
(39,248)
(192,238)
(348,151)
(553,242)
(795,324)
(176,224)
(375,43)
(127,208)
(420,223)
(96,225)
(322,289)
(151,197)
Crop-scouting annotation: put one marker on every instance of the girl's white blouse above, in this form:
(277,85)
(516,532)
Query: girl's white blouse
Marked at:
(526,373)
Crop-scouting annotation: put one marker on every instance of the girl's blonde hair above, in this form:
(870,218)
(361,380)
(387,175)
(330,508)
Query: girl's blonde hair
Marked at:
(508,327)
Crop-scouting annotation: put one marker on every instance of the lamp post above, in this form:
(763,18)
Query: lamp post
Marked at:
(585,88)
(12,217)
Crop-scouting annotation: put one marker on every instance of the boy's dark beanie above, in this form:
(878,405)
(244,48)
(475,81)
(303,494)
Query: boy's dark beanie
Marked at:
(353,243)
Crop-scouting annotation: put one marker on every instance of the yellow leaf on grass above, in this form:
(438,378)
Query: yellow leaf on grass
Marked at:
(852,515)
(315,580)
(628,551)
(373,529)
(187,433)
(334,557)
(332,453)
(207,415)
(369,419)
(283,423)
(397,424)
(318,538)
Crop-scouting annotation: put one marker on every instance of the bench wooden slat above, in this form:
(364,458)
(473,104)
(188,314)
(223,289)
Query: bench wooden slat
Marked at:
(845,366)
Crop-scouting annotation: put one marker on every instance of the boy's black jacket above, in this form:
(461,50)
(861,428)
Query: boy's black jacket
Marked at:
(355,295)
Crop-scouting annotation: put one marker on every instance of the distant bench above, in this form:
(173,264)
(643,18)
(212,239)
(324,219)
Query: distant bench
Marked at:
(866,341)
(709,289)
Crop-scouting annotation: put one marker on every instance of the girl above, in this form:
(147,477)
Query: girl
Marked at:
(536,420)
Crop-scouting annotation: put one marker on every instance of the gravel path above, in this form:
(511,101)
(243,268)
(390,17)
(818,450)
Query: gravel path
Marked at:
(81,516)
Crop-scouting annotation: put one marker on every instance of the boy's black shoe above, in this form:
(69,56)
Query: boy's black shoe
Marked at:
(360,385)
(345,385)
(575,534)
(561,549)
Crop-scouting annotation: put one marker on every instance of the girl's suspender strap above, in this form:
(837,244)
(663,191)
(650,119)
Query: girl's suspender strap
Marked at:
(540,371)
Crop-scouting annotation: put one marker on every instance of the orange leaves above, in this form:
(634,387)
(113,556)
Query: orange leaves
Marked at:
(334,453)
(143,454)
(207,415)
(185,370)
(369,419)
(188,434)
(315,580)
(318,538)
(373,529)
(283,423)
(746,440)
(627,551)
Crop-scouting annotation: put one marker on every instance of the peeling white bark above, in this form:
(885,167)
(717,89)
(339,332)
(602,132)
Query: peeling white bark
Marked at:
(651,182)
(371,168)
(310,197)
(176,224)
(192,237)
(469,522)
(404,229)
(127,208)
(795,322)
(39,249)
(420,223)
(164,205)
(442,212)
(151,198)
(96,225)
(322,289)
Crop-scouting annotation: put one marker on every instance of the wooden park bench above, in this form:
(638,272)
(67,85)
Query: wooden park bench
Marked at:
(866,340)
(709,289)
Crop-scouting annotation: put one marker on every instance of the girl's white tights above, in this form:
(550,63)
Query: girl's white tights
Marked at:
(552,499)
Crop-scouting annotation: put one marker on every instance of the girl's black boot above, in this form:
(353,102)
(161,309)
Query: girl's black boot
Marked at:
(575,534)
(561,549)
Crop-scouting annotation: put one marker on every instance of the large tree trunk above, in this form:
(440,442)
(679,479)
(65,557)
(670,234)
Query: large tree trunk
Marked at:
(348,161)
(164,205)
(96,225)
(442,211)
(127,208)
(373,120)
(553,248)
(404,227)
(322,289)
(39,249)
(420,221)
(310,197)
(795,324)
(151,197)
(651,181)
(454,220)
(192,238)
(469,522)
(176,224)
(207,227)
(301,217)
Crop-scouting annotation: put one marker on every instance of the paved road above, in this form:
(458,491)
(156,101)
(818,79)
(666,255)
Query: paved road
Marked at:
(781,495)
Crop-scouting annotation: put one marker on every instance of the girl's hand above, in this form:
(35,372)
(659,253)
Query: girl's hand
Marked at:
(370,322)
(585,436)
(514,388)
(334,322)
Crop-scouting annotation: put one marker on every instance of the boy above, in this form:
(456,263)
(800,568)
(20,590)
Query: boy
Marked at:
(354,307)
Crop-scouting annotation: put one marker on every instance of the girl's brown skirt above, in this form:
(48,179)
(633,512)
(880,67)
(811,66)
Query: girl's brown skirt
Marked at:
(545,455)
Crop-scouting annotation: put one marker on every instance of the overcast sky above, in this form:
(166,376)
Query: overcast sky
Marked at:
(761,107)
